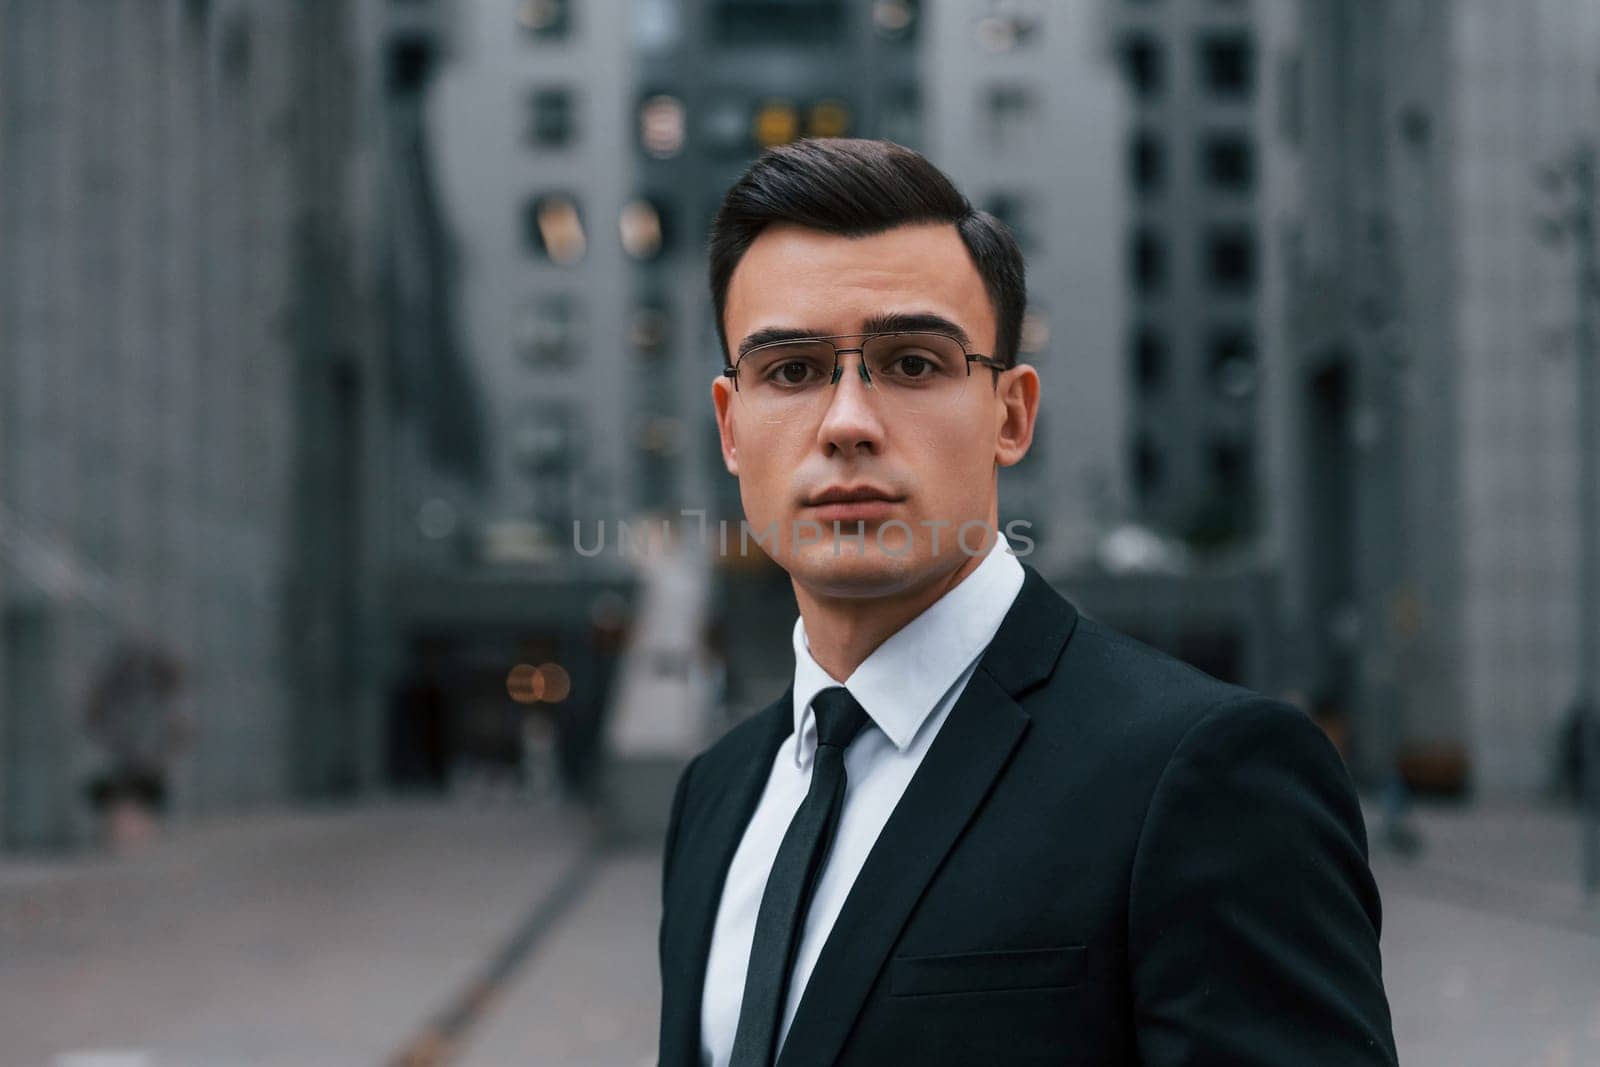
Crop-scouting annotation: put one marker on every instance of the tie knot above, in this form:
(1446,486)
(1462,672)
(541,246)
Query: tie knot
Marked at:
(839,716)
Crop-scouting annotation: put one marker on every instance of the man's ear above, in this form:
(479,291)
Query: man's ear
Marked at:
(722,401)
(1016,408)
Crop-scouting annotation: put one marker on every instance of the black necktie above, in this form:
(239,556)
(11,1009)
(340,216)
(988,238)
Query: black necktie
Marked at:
(794,872)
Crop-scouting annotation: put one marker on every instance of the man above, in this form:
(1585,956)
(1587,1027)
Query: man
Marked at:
(978,828)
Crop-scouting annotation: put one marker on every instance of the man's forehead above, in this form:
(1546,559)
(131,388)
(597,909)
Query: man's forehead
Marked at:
(797,276)
(796,247)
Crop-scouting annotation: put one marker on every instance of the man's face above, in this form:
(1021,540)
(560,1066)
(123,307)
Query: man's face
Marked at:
(939,467)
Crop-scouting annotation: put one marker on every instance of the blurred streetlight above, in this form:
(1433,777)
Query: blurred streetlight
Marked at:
(776,123)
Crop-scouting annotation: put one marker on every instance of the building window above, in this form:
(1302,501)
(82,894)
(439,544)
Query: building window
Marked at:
(552,228)
(1009,25)
(1149,261)
(1147,162)
(549,329)
(1014,211)
(662,125)
(828,118)
(725,124)
(650,329)
(1230,259)
(900,114)
(1142,65)
(1010,110)
(1228,161)
(1231,464)
(552,119)
(1149,360)
(1231,362)
(1034,337)
(776,122)
(895,20)
(643,228)
(545,20)
(762,22)
(1227,64)
(544,442)
(1149,470)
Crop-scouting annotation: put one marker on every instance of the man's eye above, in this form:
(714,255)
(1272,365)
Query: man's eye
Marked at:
(914,366)
(791,372)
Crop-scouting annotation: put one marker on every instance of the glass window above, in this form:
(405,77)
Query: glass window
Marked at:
(1230,259)
(1009,25)
(1013,210)
(777,22)
(551,118)
(726,125)
(552,228)
(662,125)
(1147,162)
(900,114)
(1227,64)
(549,329)
(1231,361)
(650,329)
(1148,260)
(1142,64)
(895,20)
(1228,161)
(644,229)
(1010,112)
(1035,333)
(1149,360)
(1231,464)
(547,20)
(1149,470)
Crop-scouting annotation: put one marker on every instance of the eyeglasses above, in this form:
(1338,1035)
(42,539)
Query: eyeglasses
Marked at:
(790,381)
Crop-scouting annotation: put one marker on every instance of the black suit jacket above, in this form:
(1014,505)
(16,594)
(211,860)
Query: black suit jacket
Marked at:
(1106,857)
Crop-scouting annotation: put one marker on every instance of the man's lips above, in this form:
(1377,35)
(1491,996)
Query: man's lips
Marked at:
(853,507)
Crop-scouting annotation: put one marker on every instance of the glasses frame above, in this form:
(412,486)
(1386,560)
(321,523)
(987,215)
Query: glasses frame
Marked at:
(859,349)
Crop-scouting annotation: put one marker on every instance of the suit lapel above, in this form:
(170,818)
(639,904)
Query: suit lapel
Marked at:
(972,749)
(705,850)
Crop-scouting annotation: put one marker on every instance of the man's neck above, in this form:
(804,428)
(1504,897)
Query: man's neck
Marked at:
(841,632)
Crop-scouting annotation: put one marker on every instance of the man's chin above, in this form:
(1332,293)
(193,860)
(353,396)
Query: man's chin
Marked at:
(848,570)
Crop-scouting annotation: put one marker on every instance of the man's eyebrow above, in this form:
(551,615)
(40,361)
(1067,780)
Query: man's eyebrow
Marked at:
(917,322)
(893,322)
(768,334)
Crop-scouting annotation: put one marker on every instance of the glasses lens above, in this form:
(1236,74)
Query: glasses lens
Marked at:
(784,381)
(917,371)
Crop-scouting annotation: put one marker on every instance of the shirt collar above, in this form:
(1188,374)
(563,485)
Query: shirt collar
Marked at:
(902,680)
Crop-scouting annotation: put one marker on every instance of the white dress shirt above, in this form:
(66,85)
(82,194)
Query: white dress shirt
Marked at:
(907,686)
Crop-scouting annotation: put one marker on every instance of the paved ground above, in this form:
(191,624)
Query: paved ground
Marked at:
(1491,953)
(339,938)
(288,939)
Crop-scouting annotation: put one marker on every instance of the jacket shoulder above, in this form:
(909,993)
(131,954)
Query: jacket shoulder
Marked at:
(1136,690)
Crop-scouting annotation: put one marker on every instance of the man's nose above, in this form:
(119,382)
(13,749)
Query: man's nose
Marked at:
(852,419)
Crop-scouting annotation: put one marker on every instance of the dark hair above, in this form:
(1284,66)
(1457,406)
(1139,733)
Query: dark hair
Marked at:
(855,188)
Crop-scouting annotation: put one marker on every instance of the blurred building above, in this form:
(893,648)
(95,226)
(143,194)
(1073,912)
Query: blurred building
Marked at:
(584,165)
(1201,168)
(1434,316)
(189,393)
(1024,109)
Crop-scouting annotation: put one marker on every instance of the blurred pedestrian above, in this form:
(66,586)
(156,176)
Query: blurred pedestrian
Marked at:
(134,716)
